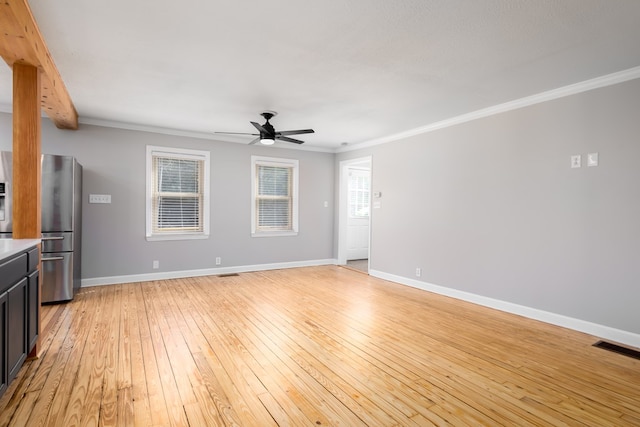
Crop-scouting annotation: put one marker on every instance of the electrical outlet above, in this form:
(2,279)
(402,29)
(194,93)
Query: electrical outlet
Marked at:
(218,260)
(156,264)
(418,272)
(576,161)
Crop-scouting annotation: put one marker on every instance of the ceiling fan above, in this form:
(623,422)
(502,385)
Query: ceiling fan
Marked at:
(268,134)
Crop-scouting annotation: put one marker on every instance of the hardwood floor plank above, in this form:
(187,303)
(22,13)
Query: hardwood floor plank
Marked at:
(125,414)
(84,402)
(56,374)
(124,362)
(207,389)
(403,390)
(293,394)
(239,382)
(57,333)
(156,365)
(23,411)
(181,360)
(310,346)
(303,357)
(112,360)
(280,416)
(139,391)
(238,412)
(50,317)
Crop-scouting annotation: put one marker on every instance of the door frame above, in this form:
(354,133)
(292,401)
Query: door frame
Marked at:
(343,210)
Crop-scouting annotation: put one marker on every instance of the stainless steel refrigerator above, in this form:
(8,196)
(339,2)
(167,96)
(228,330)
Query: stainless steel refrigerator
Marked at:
(61,202)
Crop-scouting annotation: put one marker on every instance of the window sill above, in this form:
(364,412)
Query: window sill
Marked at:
(157,237)
(274,233)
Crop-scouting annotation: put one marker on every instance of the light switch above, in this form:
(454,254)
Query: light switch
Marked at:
(99,198)
(592,159)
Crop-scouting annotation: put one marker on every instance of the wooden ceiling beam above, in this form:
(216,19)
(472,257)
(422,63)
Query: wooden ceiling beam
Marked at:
(22,42)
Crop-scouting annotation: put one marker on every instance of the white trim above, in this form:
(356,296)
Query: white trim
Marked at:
(606,332)
(294,164)
(113,280)
(623,337)
(584,86)
(199,155)
(343,206)
(115,124)
(550,95)
(261,234)
(188,133)
(177,236)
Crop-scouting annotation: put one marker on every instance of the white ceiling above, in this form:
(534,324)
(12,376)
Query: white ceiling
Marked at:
(354,70)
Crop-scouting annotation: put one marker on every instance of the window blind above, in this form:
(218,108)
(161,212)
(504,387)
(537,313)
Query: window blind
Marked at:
(273,199)
(178,194)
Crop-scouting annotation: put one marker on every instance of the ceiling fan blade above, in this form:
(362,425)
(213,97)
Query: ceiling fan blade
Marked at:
(254,141)
(295,132)
(237,133)
(260,128)
(284,138)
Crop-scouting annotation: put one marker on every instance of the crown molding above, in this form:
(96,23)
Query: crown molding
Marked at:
(573,89)
(189,134)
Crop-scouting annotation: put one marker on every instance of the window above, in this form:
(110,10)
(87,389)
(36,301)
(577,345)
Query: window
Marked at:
(274,190)
(177,194)
(359,193)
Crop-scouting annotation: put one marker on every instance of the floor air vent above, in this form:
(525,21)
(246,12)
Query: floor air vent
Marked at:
(228,275)
(618,349)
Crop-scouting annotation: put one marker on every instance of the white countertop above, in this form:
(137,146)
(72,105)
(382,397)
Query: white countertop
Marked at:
(10,247)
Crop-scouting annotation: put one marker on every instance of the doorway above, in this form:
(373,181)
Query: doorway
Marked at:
(355,213)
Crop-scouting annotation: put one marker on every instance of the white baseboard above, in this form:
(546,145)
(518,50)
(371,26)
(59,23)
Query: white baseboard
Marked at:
(606,332)
(113,280)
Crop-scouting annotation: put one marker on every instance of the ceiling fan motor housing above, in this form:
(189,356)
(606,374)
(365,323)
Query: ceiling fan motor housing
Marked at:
(271,132)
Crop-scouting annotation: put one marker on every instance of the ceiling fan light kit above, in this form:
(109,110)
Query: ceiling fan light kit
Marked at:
(267,134)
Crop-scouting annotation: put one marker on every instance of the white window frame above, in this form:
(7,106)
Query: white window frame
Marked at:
(181,153)
(276,162)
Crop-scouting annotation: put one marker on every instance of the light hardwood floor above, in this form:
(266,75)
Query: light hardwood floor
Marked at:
(310,346)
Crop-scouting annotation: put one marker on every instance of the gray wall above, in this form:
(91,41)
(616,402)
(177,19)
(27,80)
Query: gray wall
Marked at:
(114,241)
(492,207)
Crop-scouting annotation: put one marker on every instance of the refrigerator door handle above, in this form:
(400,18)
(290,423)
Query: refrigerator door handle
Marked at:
(53,258)
(53,238)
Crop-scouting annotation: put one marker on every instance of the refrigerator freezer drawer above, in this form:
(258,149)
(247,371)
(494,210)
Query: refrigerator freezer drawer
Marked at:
(57,276)
(57,242)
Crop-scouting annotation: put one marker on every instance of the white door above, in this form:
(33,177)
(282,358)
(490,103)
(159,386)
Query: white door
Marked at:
(358,200)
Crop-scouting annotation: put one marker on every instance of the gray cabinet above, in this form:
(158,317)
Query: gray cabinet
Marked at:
(19,312)
(33,304)
(17,327)
(4,378)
